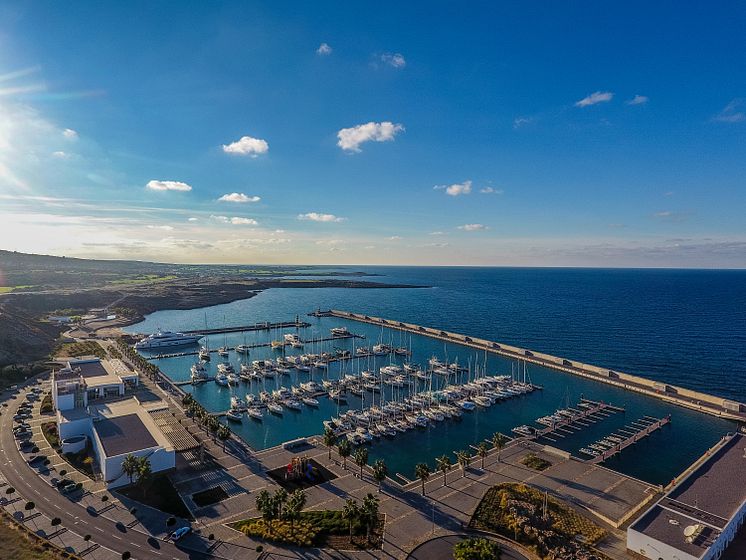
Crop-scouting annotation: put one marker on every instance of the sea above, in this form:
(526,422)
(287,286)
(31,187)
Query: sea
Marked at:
(685,327)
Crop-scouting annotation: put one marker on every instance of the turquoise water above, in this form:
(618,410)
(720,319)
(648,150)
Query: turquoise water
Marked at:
(562,312)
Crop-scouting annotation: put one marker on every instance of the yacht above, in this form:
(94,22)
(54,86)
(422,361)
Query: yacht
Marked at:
(291,337)
(223,351)
(339,331)
(255,413)
(310,401)
(233,378)
(221,379)
(165,339)
(234,415)
(204,354)
(243,348)
(275,408)
(199,373)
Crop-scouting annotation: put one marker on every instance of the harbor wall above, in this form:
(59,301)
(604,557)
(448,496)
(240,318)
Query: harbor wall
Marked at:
(695,400)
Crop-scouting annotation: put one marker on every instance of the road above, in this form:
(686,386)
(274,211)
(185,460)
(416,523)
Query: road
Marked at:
(30,486)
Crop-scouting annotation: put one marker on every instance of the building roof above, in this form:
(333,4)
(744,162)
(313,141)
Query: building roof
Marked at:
(709,497)
(123,434)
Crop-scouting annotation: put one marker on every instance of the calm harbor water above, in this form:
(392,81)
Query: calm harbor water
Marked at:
(684,327)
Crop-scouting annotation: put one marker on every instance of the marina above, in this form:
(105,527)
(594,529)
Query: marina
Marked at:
(343,395)
(614,443)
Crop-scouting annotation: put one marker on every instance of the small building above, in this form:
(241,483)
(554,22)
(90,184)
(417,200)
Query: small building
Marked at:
(88,396)
(699,517)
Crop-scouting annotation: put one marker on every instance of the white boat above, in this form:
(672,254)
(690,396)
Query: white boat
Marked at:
(234,415)
(467,405)
(243,348)
(381,349)
(310,401)
(223,351)
(167,339)
(296,344)
(204,354)
(255,413)
(225,368)
(292,404)
(237,403)
(275,408)
(291,337)
(221,379)
(233,379)
(339,331)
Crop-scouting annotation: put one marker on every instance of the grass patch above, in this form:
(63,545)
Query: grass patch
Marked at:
(209,496)
(85,348)
(19,544)
(143,279)
(8,289)
(325,528)
(516,511)
(536,463)
(159,494)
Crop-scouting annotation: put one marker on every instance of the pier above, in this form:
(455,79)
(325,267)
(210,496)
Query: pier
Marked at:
(266,326)
(593,412)
(629,435)
(695,400)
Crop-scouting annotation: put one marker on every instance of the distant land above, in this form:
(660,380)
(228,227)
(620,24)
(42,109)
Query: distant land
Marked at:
(32,287)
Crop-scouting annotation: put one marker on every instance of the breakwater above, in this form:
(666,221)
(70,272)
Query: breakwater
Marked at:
(681,396)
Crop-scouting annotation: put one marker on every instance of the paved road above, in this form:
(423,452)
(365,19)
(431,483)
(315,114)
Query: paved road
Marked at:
(30,486)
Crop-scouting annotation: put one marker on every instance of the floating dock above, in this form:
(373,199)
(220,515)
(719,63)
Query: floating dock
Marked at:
(695,400)
(631,434)
(297,324)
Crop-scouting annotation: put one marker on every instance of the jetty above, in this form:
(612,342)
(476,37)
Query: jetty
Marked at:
(592,412)
(266,326)
(681,396)
(629,435)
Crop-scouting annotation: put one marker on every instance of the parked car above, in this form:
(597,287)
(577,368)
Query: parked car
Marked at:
(180,533)
(68,487)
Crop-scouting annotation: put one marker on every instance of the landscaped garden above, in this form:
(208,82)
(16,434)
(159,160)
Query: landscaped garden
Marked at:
(536,463)
(541,523)
(358,526)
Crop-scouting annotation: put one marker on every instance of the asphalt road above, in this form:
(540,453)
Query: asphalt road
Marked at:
(30,486)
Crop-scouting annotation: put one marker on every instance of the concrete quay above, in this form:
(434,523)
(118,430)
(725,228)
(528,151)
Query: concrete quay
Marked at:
(681,396)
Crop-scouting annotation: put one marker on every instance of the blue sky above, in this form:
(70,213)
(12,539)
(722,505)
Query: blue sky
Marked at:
(558,134)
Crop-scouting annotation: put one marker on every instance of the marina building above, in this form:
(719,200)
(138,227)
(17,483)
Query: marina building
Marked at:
(89,397)
(700,516)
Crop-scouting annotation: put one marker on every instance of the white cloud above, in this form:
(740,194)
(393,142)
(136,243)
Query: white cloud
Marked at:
(473,227)
(638,100)
(596,97)
(490,190)
(394,59)
(317,217)
(731,112)
(61,155)
(235,220)
(70,134)
(164,228)
(168,186)
(247,146)
(351,138)
(329,242)
(457,189)
(324,49)
(518,122)
(238,197)
(436,233)
(394,238)
(193,219)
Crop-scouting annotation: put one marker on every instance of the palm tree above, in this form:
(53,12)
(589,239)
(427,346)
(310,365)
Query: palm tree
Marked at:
(422,471)
(279,500)
(330,439)
(224,434)
(369,513)
(295,504)
(130,466)
(498,442)
(463,458)
(444,465)
(264,504)
(482,450)
(144,472)
(351,512)
(361,458)
(380,471)
(344,448)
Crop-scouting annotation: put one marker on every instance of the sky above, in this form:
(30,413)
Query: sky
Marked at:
(409,133)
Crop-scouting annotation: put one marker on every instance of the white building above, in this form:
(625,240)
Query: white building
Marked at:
(87,395)
(701,515)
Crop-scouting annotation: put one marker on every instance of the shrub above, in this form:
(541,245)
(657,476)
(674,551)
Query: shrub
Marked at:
(476,549)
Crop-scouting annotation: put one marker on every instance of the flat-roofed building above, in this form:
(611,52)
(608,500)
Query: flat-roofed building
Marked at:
(699,517)
(87,379)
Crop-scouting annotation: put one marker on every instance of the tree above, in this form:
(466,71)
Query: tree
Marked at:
(265,504)
(422,471)
(369,513)
(29,506)
(171,521)
(361,458)
(56,521)
(476,549)
(344,448)
(295,504)
(144,473)
(380,472)
(463,458)
(482,450)
(444,465)
(279,499)
(130,466)
(330,440)
(498,442)
(224,434)
(351,512)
